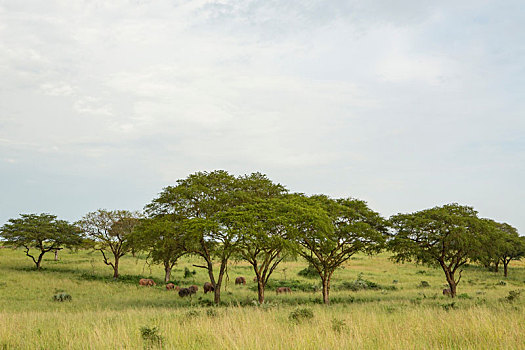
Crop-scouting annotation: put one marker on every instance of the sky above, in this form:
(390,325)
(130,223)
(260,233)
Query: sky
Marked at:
(404,104)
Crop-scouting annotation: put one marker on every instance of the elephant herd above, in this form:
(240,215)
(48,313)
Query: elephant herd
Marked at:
(208,287)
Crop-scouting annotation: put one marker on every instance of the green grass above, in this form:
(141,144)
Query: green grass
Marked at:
(104,314)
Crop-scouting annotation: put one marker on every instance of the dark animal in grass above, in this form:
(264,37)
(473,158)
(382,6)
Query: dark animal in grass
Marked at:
(240,280)
(147,282)
(208,287)
(171,286)
(285,290)
(447,292)
(184,292)
(193,289)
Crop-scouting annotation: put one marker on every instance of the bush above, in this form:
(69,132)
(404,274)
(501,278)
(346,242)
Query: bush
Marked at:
(301,314)
(424,284)
(294,285)
(338,325)
(188,273)
(449,306)
(63,296)
(309,272)
(464,296)
(211,313)
(151,337)
(513,296)
(362,284)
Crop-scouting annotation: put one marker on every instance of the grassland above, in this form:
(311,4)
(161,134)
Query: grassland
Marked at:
(399,314)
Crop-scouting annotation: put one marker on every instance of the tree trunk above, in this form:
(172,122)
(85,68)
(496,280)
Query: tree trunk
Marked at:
(115,268)
(39,261)
(260,291)
(451,283)
(505,268)
(167,272)
(56,254)
(326,289)
(217,291)
(496,266)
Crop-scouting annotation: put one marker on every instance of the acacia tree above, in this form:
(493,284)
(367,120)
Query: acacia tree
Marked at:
(43,232)
(199,199)
(446,236)
(163,238)
(491,245)
(332,230)
(263,231)
(110,231)
(512,246)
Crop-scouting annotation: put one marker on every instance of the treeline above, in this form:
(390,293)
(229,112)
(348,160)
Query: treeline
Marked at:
(219,217)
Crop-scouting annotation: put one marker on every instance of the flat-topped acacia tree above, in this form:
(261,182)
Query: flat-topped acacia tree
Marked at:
(447,236)
(41,232)
(110,232)
(200,198)
(330,231)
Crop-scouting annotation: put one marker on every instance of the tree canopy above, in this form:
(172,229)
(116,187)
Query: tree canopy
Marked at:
(446,236)
(41,232)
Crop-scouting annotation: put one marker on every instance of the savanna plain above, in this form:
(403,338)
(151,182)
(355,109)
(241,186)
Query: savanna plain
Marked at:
(375,304)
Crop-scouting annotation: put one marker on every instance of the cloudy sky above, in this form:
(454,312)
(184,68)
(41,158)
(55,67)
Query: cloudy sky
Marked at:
(405,104)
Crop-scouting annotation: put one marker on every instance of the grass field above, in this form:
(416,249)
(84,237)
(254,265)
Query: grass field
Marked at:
(398,314)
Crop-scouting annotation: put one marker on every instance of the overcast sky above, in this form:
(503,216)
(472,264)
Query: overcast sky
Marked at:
(404,104)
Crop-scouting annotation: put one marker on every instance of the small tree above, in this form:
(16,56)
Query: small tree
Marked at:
(513,246)
(42,232)
(331,231)
(446,236)
(110,232)
(163,239)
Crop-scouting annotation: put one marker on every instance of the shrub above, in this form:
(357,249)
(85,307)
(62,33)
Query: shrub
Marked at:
(188,273)
(424,284)
(338,325)
(361,284)
(151,336)
(294,285)
(464,296)
(309,272)
(449,306)
(62,296)
(301,314)
(513,296)
(211,313)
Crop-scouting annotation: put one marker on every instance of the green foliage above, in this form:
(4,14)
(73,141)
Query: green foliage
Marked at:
(309,272)
(111,233)
(301,314)
(338,325)
(362,284)
(295,285)
(63,296)
(449,306)
(211,313)
(464,296)
(42,232)
(446,236)
(151,337)
(424,284)
(513,296)
(188,273)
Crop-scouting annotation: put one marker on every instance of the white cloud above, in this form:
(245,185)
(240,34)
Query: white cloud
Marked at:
(401,103)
